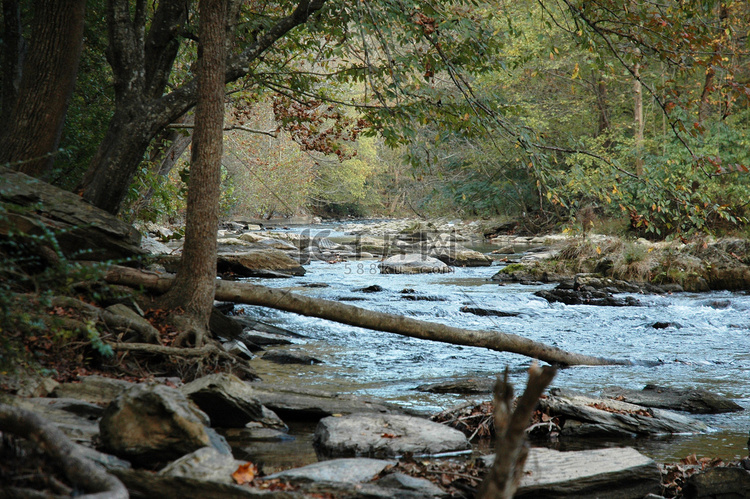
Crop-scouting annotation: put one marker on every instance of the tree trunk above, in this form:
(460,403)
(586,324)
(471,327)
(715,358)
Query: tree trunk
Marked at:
(14,49)
(252,294)
(143,106)
(32,132)
(193,288)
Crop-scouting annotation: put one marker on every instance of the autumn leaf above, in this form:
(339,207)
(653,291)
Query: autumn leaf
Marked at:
(245,473)
(389,435)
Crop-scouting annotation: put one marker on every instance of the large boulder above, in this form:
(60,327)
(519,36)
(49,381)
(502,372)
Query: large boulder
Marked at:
(82,230)
(384,435)
(413,264)
(150,423)
(228,401)
(258,263)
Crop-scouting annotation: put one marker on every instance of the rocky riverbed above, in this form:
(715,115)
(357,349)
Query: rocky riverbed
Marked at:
(165,438)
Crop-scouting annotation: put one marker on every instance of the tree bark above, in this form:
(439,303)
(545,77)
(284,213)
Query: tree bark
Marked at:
(252,294)
(193,288)
(54,443)
(510,433)
(32,132)
(14,49)
(142,106)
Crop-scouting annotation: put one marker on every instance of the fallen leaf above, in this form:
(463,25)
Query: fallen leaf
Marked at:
(245,473)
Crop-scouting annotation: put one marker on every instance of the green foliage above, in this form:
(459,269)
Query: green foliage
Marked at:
(33,270)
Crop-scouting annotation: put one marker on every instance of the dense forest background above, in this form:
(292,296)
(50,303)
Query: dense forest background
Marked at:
(536,110)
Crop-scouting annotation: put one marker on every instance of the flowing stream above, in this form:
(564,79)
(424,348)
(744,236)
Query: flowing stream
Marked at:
(706,345)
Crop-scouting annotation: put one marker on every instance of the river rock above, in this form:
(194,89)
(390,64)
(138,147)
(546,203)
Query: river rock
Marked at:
(297,403)
(82,230)
(402,482)
(413,264)
(205,464)
(458,256)
(227,400)
(481,311)
(354,470)
(589,282)
(256,262)
(94,389)
(586,297)
(612,473)
(290,357)
(696,400)
(720,482)
(153,423)
(462,386)
(384,435)
(588,416)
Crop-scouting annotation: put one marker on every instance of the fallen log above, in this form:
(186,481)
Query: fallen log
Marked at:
(254,294)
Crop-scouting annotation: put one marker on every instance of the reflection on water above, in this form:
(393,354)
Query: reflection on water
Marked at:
(706,346)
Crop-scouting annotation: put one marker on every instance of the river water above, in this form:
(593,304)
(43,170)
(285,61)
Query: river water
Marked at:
(706,346)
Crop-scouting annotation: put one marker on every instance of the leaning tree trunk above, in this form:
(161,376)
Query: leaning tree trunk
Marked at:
(253,294)
(31,135)
(193,288)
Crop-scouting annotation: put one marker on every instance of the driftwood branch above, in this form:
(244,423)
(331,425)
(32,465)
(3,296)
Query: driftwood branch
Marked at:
(53,442)
(253,294)
(510,432)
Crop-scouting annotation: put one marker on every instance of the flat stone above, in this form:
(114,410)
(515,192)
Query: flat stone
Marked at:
(400,481)
(290,357)
(463,386)
(619,417)
(696,400)
(384,435)
(94,389)
(614,473)
(413,264)
(249,263)
(354,470)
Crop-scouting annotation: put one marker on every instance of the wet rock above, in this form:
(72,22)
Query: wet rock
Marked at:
(257,263)
(355,470)
(665,325)
(413,264)
(463,386)
(621,473)
(371,289)
(589,416)
(205,464)
(696,401)
(296,403)
(290,357)
(584,297)
(227,400)
(718,482)
(223,326)
(94,389)
(256,340)
(487,312)
(153,423)
(384,435)
(421,486)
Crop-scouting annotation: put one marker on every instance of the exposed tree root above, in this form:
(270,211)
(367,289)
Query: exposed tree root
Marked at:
(53,442)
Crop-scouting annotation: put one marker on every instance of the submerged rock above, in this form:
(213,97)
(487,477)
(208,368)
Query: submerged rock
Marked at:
(696,401)
(384,435)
